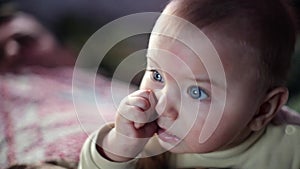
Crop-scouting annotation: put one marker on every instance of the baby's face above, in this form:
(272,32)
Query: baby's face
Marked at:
(190,96)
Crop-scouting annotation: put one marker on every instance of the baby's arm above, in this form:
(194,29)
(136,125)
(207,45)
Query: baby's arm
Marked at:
(132,127)
(115,144)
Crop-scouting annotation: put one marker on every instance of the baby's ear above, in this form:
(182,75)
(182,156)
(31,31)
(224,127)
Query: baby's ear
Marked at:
(272,103)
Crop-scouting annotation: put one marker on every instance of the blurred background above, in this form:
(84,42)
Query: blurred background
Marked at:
(72,22)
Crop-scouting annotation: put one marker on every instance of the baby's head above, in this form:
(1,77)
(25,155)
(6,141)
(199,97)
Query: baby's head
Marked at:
(208,103)
(261,30)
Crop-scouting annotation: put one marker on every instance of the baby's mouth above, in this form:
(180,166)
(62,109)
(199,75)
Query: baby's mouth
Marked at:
(167,136)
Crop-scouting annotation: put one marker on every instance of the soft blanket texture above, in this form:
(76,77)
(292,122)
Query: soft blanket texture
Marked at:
(38,120)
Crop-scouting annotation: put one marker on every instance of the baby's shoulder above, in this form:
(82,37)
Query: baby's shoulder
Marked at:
(286,136)
(282,131)
(278,146)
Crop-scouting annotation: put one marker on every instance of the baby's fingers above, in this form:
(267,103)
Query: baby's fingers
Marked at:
(137,108)
(140,102)
(133,114)
(138,125)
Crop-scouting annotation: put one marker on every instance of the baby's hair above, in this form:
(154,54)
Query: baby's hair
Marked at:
(267,26)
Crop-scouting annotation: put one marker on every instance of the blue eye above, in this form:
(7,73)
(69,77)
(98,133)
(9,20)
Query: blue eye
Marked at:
(197,93)
(157,76)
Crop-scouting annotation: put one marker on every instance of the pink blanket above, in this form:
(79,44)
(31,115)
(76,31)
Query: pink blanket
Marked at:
(38,119)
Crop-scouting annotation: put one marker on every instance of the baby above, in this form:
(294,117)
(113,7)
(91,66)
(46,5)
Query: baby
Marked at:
(215,79)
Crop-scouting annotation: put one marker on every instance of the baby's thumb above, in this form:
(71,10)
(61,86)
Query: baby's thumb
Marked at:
(151,111)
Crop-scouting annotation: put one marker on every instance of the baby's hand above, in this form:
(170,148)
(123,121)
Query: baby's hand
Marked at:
(134,126)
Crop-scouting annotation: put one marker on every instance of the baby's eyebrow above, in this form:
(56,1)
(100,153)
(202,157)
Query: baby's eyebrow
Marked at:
(207,80)
(202,80)
(152,60)
(195,78)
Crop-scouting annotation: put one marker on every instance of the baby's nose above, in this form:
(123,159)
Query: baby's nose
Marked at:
(166,105)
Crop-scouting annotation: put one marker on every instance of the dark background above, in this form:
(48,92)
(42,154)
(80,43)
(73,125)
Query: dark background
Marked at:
(74,21)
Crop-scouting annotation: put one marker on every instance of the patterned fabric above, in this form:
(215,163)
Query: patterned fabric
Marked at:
(38,120)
